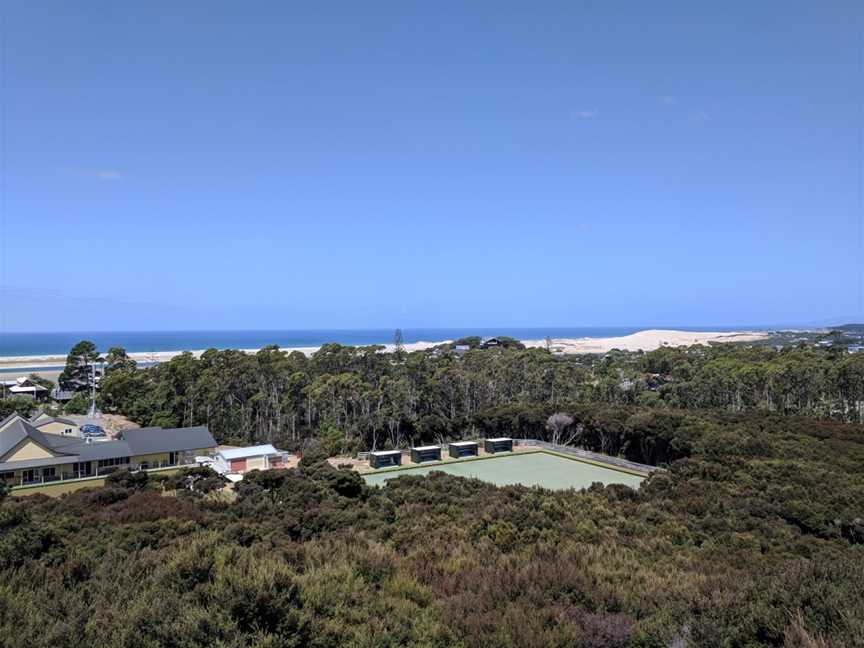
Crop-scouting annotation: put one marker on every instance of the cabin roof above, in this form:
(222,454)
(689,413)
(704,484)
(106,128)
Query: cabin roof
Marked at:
(251,451)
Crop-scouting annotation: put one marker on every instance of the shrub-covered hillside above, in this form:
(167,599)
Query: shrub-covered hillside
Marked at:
(754,537)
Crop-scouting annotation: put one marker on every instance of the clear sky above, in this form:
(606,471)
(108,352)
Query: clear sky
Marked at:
(224,164)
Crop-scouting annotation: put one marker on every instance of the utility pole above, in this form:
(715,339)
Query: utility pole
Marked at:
(92,413)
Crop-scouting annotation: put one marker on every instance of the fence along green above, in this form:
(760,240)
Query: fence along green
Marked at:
(541,468)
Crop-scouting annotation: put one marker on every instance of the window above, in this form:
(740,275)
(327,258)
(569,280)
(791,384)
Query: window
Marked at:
(49,471)
(114,461)
(7,476)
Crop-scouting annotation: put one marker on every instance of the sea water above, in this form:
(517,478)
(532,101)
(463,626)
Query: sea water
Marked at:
(36,344)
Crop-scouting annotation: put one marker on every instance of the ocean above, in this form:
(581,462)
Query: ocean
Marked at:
(36,344)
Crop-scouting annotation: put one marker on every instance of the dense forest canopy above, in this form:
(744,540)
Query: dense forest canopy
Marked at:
(371,399)
(753,537)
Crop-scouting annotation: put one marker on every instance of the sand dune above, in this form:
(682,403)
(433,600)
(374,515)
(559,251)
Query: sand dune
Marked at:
(646,341)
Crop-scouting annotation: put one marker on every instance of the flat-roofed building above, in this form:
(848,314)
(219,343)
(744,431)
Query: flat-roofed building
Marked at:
(501,444)
(459,449)
(242,460)
(426,453)
(384,458)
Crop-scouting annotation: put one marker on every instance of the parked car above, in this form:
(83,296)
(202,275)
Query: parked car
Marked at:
(92,431)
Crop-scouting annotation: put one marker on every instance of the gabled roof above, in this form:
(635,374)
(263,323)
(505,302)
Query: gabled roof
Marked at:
(39,413)
(19,430)
(155,439)
(13,433)
(71,449)
(23,384)
(6,421)
(52,419)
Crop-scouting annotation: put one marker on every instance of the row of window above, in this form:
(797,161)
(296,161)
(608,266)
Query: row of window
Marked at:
(31,475)
(79,469)
(114,461)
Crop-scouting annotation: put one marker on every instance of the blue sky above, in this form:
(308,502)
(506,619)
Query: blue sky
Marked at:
(174,165)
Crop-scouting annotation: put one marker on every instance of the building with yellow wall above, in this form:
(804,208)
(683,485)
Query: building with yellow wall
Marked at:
(54,424)
(30,456)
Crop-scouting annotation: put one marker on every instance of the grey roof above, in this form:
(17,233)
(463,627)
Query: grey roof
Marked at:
(73,451)
(104,450)
(52,419)
(37,463)
(11,436)
(57,443)
(154,439)
(137,441)
(11,418)
(17,431)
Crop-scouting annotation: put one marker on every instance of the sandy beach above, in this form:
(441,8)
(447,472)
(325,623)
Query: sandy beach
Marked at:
(36,361)
(643,340)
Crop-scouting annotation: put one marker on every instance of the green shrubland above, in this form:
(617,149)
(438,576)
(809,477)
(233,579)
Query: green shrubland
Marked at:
(753,537)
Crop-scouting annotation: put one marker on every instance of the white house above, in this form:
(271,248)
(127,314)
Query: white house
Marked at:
(24,386)
(241,460)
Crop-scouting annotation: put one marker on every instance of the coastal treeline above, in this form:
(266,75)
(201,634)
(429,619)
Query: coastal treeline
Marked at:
(360,398)
(753,537)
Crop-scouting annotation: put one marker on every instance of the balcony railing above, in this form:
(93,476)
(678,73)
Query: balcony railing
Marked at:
(97,472)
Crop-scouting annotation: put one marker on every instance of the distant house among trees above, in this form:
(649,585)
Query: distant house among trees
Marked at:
(62,395)
(502,341)
(25,387)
